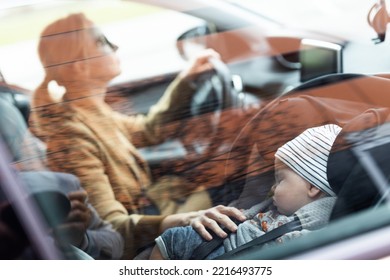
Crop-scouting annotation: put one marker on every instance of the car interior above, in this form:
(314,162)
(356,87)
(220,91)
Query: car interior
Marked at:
(268,87)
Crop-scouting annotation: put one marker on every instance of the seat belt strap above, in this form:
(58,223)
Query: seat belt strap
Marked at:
(204,249)
(294,225)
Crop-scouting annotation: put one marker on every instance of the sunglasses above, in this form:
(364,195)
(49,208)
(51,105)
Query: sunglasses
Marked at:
(102,41)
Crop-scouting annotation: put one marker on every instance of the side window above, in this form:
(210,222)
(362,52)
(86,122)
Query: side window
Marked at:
(147,41)
(146,36)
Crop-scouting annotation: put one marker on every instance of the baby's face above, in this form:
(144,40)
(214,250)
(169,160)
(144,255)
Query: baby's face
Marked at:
(290,189)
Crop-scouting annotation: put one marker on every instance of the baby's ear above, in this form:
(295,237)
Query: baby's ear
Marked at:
(313,191)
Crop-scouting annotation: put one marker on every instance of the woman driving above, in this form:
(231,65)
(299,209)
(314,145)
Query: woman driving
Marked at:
(85,137)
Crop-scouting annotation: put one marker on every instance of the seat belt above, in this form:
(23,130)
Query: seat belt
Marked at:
(267,237)
(204,249)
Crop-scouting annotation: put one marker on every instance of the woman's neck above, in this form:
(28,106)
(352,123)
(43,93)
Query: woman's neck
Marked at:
(86,96)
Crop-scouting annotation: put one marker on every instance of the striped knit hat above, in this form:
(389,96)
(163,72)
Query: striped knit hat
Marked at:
(307,154)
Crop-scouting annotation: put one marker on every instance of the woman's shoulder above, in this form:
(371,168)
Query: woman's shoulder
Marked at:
(56,121)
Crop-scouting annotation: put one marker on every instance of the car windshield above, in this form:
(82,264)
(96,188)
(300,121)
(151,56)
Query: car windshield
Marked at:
(151,108)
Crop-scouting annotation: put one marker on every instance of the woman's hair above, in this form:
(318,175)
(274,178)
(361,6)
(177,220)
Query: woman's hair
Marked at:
(61,43)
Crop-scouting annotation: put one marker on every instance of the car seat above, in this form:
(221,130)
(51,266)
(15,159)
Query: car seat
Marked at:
(359,163)
(17,98)
(335,98)
(14,111)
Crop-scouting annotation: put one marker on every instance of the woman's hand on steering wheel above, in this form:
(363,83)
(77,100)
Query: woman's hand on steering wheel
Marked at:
(200,64)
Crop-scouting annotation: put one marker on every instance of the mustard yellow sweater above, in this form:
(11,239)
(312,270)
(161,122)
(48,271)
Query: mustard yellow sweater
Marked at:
(98,145)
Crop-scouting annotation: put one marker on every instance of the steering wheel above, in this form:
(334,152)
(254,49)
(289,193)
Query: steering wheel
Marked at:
(214,90)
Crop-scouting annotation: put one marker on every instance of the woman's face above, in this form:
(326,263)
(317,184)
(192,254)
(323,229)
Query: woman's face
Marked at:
(100,56)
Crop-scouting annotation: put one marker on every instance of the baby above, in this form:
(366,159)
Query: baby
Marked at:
(301,190)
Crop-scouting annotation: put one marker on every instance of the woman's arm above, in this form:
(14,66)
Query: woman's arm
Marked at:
(153,128)
(210,219)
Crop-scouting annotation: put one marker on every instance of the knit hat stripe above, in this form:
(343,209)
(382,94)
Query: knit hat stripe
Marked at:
(317,144)
(306,171)
(308,153)
(317,155)
(307,149)
(315,165)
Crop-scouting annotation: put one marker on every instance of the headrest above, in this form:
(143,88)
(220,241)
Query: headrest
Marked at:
(12,127)
(359,159)
(18,99)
